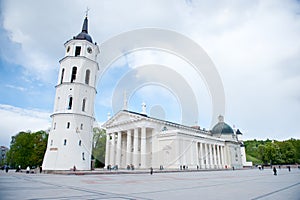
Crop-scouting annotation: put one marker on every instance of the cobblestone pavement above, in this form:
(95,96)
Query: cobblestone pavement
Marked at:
(238,184)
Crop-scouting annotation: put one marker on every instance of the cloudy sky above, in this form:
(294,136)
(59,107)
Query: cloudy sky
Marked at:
(254,45)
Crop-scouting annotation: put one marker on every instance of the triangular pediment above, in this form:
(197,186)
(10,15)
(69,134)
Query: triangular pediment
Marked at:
(122,117)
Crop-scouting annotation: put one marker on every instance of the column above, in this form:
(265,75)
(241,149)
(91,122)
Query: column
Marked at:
(143,148)
(135,147)
(215,156)
(219,156)
(198,154)
(119,149)
(225,156)
(112,150)
(107,149)
(201,156)
(128,148)
(192,154)
(222,157)
(206,155)
(211,156)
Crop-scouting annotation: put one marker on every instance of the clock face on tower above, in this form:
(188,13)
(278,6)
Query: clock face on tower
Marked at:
(89,50)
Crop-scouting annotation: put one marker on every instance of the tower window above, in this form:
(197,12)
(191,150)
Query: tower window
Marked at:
(79,143)
(70,103)
(81,126)
(62,75)
(51,142)
(68,125)
(83,105)
(83,156)
(77,51)
(73,76)
(87,76)
(54,126)
(65,142)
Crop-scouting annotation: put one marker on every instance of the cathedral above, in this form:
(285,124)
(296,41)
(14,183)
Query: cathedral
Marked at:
(140,141)
(133,140)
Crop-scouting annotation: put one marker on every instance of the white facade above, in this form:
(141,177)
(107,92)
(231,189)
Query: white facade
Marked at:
(70,137)
(134,139)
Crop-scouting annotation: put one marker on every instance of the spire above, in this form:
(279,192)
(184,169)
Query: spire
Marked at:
(85,25)
(83,35)
(85,22)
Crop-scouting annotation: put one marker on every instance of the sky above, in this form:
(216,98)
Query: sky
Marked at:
(254,46)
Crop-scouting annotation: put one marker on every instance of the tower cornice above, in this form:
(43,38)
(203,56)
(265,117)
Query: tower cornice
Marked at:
(79,57)
(72,113)
(75,83)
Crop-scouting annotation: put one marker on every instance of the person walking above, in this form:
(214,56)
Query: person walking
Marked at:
(6,168)
(275,171)
(151,170)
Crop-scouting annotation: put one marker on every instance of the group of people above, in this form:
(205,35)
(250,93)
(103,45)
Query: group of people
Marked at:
(275,170)
(131,166)
(19,169)
(185,167)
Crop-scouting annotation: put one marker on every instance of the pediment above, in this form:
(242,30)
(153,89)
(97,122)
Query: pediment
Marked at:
(122,117)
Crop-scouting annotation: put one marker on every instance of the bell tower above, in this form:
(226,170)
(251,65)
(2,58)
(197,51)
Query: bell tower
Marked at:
(71,134)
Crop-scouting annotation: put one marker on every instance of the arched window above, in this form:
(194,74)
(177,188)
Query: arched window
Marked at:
(83,105)
(70,103)
(83,156)
(79,143)
(73,76)
(77,51)
(51,142)
(68,125)
(81,126)
(62,75)
(87,76)
(54,126)
(65,142)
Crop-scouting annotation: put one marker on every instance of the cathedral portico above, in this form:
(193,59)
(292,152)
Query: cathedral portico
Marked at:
(143,142)
(128,146)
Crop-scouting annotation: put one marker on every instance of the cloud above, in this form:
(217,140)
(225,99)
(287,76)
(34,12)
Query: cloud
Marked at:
(22,89)
(255,46)
(14,120)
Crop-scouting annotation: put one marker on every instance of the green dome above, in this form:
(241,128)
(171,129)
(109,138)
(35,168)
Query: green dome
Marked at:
(221,127)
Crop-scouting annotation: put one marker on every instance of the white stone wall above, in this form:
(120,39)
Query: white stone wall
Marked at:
(70,138)
(170,146)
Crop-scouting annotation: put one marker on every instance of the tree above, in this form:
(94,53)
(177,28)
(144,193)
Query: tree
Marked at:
(261,149)
(273,152)
(99,147)
(27,149)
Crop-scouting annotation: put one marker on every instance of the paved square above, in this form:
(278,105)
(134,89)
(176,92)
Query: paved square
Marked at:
(238,184)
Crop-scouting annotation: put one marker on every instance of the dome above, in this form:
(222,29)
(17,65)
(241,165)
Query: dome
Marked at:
(84,36)
(84,33)
(221,127)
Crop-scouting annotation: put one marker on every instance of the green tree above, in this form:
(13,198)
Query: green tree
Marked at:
(261,149)
(273,152)
(99,147)
(288,152)
(27,149)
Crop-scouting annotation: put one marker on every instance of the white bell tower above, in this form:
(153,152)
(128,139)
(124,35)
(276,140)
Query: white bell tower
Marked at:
(71,134)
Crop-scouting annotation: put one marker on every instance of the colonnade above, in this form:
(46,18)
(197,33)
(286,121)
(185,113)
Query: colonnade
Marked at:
(133,147)
(211,156)
(129,147)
